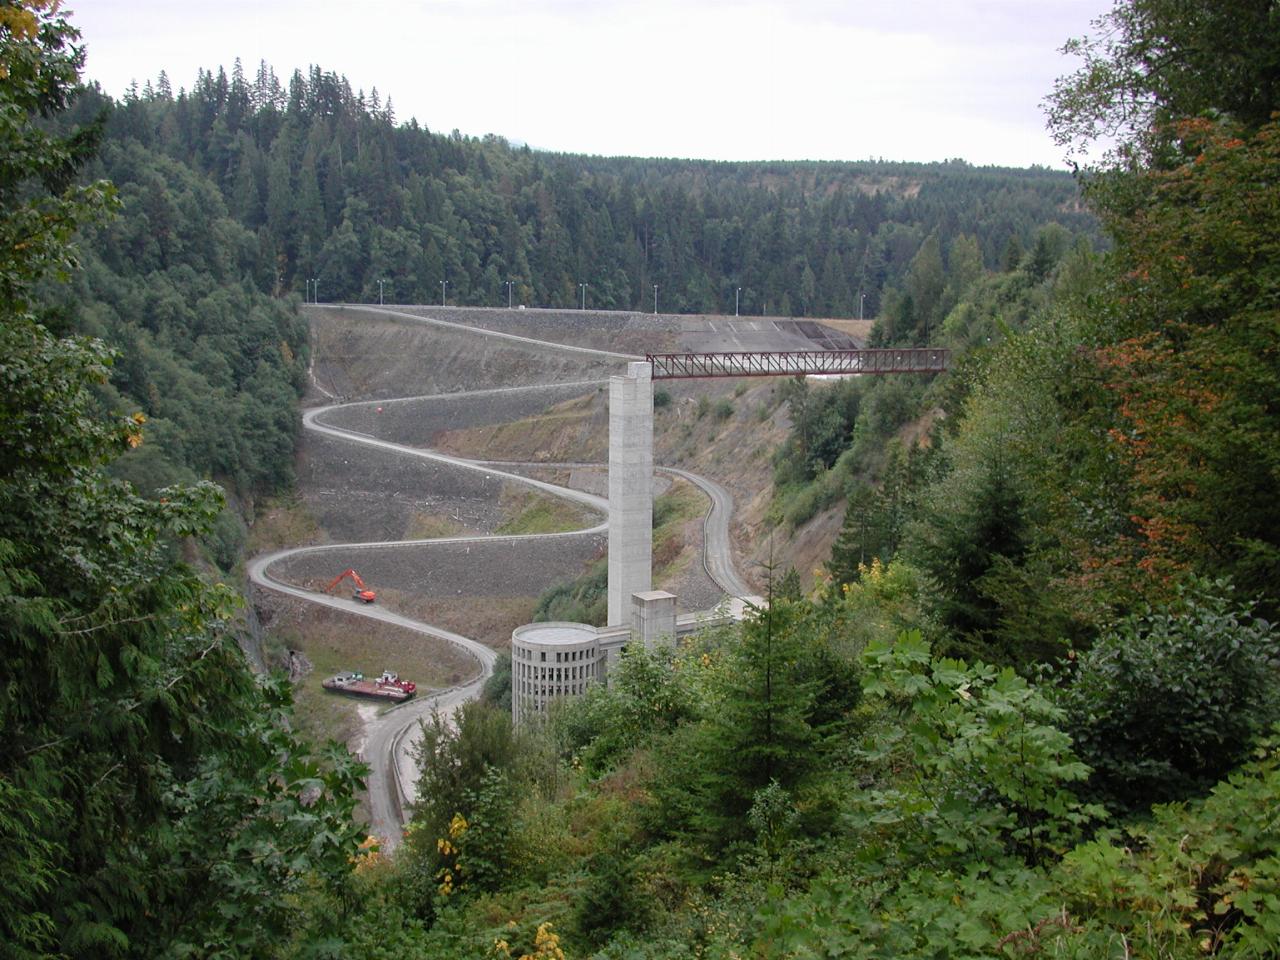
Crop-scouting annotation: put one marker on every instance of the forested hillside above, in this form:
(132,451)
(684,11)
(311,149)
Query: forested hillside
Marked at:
(216,364)
(336,191)
(152,799)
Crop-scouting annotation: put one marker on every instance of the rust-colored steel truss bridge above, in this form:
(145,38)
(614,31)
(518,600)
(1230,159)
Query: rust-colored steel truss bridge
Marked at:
(788,363)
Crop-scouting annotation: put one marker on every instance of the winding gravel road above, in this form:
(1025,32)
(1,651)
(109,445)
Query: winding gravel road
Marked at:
(390,737)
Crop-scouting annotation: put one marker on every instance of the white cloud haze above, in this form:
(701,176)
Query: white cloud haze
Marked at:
(808,79)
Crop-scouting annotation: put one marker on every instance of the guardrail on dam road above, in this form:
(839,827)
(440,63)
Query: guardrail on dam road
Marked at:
(680,366)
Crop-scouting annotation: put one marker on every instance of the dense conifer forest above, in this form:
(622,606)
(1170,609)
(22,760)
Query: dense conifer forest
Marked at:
(1030,709)
(336,191)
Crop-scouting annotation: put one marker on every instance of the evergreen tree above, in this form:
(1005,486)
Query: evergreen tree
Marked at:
(151,800)
(861,537)
(762,731)
(925,284)
(1188,343)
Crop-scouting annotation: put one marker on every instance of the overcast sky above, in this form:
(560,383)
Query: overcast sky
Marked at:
(778,80)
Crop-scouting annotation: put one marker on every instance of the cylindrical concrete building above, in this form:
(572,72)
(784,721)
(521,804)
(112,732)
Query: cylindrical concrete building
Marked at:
(548,661)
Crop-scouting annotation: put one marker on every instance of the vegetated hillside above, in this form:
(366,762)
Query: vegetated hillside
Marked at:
(337,191)
(215,364)
(152,799)
(859,451)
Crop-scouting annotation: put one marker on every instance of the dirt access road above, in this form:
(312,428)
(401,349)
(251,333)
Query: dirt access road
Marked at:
(390,735)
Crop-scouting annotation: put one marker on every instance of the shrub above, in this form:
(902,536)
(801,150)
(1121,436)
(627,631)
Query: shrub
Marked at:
(1196,879)
(585,600)
(497,689)
(609,900)
(1171,699)
(802,505)
(646,696)
(992,767)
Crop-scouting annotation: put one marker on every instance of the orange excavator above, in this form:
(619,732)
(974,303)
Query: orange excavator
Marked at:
(362,594)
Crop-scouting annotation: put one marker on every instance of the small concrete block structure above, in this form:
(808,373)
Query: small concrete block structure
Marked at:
(550,661)
(653,618)
(630,488)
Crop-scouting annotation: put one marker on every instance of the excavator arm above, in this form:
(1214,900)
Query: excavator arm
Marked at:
(362,594)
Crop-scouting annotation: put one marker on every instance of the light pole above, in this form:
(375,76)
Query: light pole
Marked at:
(584,295)
(862,299)
(736,291)
(443,285)
(509,283)
(655,299)
(380,282)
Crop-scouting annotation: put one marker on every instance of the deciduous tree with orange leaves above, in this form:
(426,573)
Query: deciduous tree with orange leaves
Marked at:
(1188,332)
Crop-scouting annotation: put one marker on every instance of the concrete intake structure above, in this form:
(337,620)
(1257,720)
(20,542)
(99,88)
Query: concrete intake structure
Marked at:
(550,661)
(630,489)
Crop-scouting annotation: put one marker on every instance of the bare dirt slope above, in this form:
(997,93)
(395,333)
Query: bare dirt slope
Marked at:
(421,422)
(352,494)
(358,355)
(733,448)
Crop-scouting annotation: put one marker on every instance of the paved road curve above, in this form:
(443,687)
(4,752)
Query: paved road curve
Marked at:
(385,795)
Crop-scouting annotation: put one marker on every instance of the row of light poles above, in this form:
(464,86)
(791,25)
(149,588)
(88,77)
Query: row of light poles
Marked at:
(313,295)
(444,287)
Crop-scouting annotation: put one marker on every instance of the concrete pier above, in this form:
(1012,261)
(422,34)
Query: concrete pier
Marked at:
(630,489)
(653,619)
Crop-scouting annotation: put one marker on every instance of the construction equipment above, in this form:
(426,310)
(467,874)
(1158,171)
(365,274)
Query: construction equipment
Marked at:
(386,687)
(362,594)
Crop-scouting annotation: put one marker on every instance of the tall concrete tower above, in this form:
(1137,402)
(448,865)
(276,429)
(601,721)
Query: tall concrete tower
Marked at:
(630,489)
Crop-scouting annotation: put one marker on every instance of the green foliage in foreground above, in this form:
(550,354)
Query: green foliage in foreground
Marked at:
(937,810)
(1169,701)
(819,783)
(1195,880)
(152,800)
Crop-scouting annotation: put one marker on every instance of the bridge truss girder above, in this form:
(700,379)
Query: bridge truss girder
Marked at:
(787,363)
